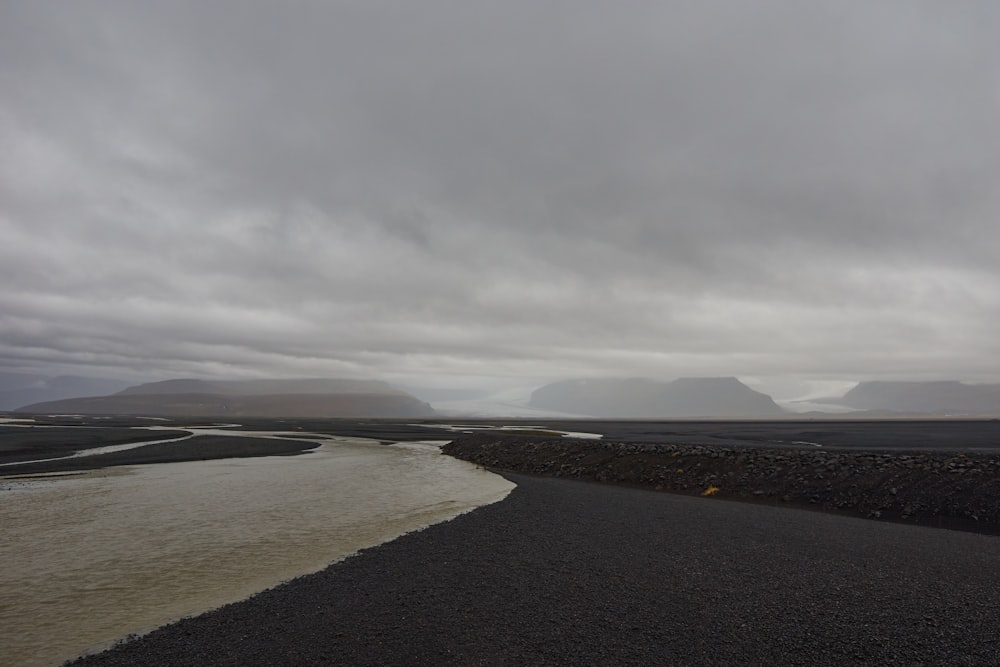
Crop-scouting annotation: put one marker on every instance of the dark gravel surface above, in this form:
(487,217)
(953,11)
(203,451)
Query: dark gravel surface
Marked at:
(566,572)
(198,448)
(23,444)
(923,486)
(884,434)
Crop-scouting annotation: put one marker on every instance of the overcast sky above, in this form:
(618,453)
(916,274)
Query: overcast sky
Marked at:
(461,193)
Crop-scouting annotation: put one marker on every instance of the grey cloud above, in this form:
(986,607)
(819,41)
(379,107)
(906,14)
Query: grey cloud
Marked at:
(545,188)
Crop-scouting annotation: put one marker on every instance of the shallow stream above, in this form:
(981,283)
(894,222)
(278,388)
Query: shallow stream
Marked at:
(91,558)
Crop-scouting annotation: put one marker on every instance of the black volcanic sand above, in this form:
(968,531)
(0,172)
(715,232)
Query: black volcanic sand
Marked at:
(938,488)
(965,435)
(934,434)
(374,428)
(385,430)
(25,444)
(565,572)
(63,435)
(197,448)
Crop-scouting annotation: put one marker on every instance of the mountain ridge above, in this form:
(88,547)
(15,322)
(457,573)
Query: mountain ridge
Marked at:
(261,387)
(638,398)
(304,398)
(928,397)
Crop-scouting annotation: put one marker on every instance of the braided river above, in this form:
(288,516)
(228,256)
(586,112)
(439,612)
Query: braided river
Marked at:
(88,559)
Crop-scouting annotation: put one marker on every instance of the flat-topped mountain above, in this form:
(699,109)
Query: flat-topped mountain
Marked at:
(263,387)
(302,398)
(642,398)
(941,397)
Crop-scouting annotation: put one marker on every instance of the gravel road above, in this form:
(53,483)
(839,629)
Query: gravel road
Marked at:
(565,572)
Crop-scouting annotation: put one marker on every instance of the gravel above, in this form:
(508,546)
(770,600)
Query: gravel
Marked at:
(197,448)
(936,488)
(566,572)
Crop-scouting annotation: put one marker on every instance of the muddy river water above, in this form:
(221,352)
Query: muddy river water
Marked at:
(88,559)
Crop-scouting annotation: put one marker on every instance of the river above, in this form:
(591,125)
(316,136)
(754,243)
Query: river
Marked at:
(90,558)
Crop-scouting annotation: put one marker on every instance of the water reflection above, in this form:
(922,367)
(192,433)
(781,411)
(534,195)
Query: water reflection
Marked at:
(94,557)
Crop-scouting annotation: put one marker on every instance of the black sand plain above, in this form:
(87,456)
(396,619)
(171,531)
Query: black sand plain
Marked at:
(23,444)
(573,572)
(22,448)
(934,434)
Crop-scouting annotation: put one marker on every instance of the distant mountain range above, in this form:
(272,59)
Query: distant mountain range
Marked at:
(934,398)
(304,398)
(615,398)
(642,398)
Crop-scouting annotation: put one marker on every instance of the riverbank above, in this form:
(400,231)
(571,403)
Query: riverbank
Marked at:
(49,442)
(26,443)
(565,572)
(195,448)
(947,489)
(89,558)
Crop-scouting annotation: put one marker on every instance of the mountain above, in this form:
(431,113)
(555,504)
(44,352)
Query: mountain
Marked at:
(947,397)
(261,387)
(642,398)
(21,388)
(303,398)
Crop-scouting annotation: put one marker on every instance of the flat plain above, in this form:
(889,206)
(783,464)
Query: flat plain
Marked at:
(574,572)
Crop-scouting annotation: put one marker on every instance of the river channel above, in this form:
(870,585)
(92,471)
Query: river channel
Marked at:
(90,558)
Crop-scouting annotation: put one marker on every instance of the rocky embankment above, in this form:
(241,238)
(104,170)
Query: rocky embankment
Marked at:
(931,488)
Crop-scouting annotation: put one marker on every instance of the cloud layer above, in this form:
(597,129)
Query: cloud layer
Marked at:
(457,192)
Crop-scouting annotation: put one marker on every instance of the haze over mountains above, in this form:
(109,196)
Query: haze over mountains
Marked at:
(714,398)
(612,398)
(940,398)
(17,389)
(305,398)
(642,398)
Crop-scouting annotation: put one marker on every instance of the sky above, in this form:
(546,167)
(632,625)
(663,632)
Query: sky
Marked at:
(501,193)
